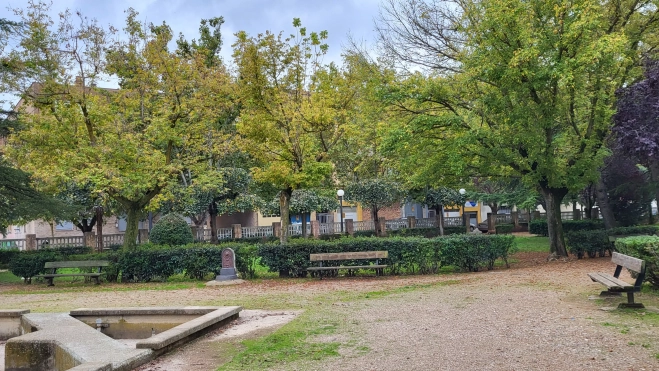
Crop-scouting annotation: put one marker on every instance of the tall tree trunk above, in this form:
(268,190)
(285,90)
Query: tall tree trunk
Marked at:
(212,213)
(374,215)
(304,225)
(440,216)
(133,215)
(284,209)
(99,229)
(553,198)
(603,201)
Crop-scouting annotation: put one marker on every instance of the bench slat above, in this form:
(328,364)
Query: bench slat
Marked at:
(350,255)
(627,261)
(346,267)
(77,264)
(609,281)
(72,274)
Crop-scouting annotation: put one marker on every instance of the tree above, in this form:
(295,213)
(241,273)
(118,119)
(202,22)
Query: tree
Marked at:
(521,86)
(629,189)
(294,110)
(636,128)
(496,192)
(83,204)
(374,194)
(437,198)
(129,143)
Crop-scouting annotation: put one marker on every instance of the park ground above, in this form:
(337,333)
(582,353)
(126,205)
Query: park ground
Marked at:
(535,315)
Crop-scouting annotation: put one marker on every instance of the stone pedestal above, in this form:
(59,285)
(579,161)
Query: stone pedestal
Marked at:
(89,239)
(237,231)
(350,227)
(30,242)
(315,229)
(411,222)
(228,271)
(381,227)
(143,235)
(276,229)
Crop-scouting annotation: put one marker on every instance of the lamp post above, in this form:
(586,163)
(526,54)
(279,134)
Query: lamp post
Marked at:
(340,193)
(462,191)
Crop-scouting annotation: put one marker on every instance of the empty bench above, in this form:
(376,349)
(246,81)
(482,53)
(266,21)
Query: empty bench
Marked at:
(348,256)
(54,266)
(616,286)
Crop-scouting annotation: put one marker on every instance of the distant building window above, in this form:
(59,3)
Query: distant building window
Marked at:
(432,213)
(121,224)
(64,226)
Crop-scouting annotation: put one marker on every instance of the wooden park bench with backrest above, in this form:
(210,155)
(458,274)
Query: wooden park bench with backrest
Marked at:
(350,257)
(54,266)
(616,286)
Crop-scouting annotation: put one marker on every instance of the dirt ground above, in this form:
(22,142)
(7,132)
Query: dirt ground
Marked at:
(535,315)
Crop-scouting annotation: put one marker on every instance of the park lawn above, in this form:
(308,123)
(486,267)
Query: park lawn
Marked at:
(532,244)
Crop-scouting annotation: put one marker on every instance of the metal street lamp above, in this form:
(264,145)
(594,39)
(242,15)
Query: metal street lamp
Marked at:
(340,193)
(465,220)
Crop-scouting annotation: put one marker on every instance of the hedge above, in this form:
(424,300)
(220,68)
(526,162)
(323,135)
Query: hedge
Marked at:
(28,264)
(6,255)
(646,248)
(539,226)
(505,228)
(406,254)
(592,243)
(639,230)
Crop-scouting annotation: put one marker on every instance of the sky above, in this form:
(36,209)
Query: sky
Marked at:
(338,17)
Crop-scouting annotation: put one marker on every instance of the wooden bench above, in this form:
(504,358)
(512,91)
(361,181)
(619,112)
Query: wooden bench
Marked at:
(616,286)
(364,255)
(54,266)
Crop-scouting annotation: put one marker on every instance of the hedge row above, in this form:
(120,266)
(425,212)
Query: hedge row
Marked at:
(646,248)
(539,226)
(408,255)
(148,263)
(153,262)
(596,242)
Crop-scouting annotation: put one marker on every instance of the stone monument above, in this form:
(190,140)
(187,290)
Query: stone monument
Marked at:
(228,271)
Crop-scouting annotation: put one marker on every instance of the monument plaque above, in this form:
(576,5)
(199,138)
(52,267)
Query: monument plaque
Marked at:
(228,271)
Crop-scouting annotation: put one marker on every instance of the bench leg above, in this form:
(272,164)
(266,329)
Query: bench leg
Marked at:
(50,281)
(630,302)
(98,281)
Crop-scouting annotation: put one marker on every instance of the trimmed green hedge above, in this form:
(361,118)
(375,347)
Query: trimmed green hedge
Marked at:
(646,248)
(6,255)
(639,229)
(539,226)
(409,255)
(505,228)
(28,264)
(592,243)
(171,230)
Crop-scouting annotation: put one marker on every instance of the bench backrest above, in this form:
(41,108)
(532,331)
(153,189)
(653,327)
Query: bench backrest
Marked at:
(631,263)
(350,255)
(77,264)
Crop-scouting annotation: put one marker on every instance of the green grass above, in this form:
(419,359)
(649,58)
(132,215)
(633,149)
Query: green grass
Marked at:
(7,277)
(532,244)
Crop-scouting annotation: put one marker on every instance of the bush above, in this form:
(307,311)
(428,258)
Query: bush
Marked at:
(150,263)
(28,264)
(646,248)
(592,243)
(638,230)
(171,230)
(6,255)
(410,254)
(539,226)
(66,251)
(505,228)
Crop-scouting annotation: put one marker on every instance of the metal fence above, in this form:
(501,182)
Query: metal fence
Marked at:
(453,221)
(503,219)
(366,225)
(254,232)
(426,223)
(112,240)
(395,224)
(12,244)
(224,233)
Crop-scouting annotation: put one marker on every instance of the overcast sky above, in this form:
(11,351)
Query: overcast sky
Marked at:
(338,17)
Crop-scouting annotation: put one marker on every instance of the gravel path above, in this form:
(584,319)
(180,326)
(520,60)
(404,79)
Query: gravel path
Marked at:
(535,315)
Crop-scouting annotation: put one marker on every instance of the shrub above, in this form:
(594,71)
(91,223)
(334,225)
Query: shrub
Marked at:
(150,263)
(66,251)
(409,254)
(505,228)
(646,248)
(6,255)
(592,243)
(171,230)
(539,226)
(472,252)
(28,264)
(639,230)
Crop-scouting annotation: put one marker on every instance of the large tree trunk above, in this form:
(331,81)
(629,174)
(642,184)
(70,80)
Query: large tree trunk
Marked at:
(304,225)
(212,213)
(603,201)
(86,226)
(553,198)
(134,213)
(284,209)
(440,215)
(99,229)
(374,216)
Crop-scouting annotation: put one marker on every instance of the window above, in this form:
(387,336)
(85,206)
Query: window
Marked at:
(64,226)
(432,213)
